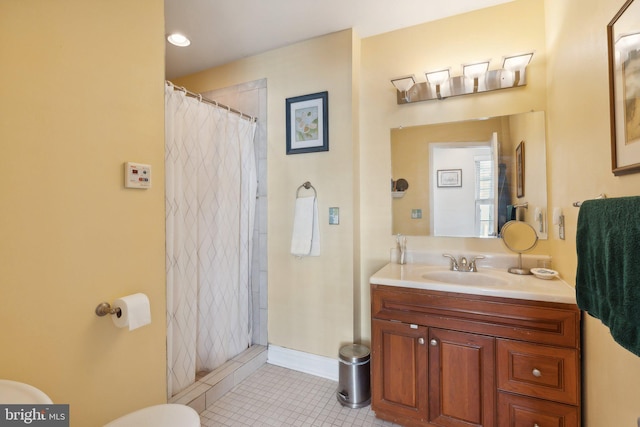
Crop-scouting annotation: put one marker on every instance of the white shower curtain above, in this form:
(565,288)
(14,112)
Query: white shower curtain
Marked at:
(211,186)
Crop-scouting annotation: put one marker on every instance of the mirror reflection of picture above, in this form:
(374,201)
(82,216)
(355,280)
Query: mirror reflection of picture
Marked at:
(520,169)
(450,178)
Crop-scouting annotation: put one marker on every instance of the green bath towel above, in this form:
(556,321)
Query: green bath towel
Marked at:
(608,275)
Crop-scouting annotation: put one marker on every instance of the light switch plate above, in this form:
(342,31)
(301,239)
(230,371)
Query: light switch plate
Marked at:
(334,216)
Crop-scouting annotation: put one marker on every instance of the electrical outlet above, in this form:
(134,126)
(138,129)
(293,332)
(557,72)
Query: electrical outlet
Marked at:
(416,213)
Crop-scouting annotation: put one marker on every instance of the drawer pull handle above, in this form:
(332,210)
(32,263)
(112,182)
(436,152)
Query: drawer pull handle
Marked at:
(433,342)
(536,373)
(421,341)
(536,425)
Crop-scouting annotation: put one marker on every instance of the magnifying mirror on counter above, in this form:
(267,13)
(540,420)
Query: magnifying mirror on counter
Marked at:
(519,237)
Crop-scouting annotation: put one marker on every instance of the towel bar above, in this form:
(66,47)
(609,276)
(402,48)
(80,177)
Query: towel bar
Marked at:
(600,196)
(307,185)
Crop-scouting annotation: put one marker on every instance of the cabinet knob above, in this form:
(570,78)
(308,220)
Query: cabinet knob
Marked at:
(421,341)
(536,425)
(536,373)
(433,342)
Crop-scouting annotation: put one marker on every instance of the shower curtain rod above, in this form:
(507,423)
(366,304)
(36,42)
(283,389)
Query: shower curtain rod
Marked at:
(210,102)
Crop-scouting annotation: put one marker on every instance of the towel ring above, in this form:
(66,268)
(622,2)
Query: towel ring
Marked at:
(307,185)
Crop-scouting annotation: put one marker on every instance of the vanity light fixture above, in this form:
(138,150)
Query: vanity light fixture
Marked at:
(178,39)
(403,84)
(516,64)
(440,84)
(628,42)
(475,71)
(438,78)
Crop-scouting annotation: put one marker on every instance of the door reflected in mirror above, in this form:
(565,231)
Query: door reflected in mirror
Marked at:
(463,176)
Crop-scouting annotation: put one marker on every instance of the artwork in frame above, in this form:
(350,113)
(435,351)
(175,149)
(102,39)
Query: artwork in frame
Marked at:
(520,170)
(623,37)
(308,123)
(449,177)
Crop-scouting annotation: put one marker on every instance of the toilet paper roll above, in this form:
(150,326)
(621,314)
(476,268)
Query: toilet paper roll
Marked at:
(135,311)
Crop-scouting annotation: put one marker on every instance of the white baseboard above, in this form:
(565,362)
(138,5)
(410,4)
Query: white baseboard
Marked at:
(319,366)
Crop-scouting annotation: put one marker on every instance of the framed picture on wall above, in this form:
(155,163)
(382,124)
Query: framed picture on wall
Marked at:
(623,37)
(307,123)
(520,169)
(449,177)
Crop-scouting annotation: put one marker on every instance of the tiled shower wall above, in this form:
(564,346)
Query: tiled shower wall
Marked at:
(251,99)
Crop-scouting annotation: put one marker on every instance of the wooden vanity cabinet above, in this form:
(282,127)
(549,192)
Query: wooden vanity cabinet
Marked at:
(448,359)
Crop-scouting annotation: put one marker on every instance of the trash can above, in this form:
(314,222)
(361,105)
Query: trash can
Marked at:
(354,386)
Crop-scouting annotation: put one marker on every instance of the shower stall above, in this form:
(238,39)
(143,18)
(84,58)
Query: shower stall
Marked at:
(213,259)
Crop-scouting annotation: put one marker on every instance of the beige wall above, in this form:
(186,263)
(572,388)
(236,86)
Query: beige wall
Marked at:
(311,300)
(81,94)
(580,168)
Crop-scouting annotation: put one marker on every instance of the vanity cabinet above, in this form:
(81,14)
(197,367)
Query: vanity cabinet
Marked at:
(450,359)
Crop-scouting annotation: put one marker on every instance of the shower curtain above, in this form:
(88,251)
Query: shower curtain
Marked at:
(211,186)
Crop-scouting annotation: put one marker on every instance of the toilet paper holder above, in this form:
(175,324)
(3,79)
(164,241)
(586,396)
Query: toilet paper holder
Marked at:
(105,308)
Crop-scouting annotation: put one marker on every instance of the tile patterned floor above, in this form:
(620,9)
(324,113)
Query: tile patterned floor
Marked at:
(275,396)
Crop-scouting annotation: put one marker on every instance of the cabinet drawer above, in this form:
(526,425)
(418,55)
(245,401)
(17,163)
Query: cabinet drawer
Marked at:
(533,321)
(538,371)
(519,411)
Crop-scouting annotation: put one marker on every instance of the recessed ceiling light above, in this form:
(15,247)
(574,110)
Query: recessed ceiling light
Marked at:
(177,39)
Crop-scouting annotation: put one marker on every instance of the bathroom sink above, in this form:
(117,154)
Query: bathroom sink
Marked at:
(464,278)
(489,281)
(14,392)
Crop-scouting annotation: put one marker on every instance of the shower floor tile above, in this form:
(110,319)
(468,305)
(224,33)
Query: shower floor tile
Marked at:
(276,396)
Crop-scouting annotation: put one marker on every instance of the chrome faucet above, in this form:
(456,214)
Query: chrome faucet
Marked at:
(463,265)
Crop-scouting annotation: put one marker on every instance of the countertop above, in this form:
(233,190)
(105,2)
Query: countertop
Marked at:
(487,281)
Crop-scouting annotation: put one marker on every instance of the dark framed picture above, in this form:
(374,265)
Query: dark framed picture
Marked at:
(308,123)
(520,169)
(623,37)
(449,177)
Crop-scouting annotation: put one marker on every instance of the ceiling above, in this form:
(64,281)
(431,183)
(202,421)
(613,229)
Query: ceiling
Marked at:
(222,31)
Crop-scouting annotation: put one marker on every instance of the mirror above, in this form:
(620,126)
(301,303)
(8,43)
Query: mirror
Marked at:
(519,237)
(467,179)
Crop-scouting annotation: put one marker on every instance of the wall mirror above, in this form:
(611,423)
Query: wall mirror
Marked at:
(467,179)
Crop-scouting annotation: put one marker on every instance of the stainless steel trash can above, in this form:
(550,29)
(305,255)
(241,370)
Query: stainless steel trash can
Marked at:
(354,385)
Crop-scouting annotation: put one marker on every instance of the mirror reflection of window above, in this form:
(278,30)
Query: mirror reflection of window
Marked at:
(485,201)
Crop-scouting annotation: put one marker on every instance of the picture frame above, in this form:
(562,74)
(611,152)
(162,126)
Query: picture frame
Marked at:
(520,169)
(307,122)
(449,178)
(623,41)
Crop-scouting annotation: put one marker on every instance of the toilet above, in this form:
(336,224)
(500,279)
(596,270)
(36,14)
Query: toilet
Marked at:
(165,415)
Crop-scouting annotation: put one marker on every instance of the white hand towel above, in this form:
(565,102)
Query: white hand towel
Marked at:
(306,238)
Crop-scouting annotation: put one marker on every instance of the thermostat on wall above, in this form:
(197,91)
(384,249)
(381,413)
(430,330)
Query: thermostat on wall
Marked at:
(137,175)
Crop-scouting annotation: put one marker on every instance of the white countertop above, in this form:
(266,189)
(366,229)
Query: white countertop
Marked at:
(487,281)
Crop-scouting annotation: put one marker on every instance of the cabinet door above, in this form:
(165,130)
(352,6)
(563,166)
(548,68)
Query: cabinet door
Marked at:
(462,389)
(399,366)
